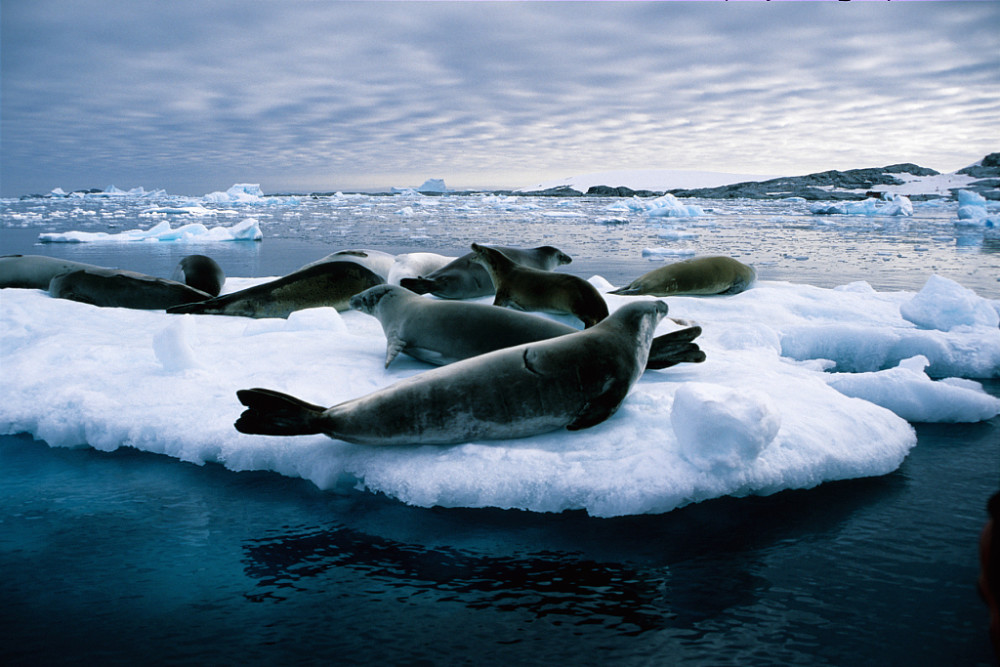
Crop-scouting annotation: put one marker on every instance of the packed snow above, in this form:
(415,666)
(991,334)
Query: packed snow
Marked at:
(162,232)
(801,385)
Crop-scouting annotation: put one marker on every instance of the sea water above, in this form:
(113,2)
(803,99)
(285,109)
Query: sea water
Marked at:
(127,556)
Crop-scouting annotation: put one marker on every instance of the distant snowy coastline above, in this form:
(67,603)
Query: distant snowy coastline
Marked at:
(653,180)
(908,180)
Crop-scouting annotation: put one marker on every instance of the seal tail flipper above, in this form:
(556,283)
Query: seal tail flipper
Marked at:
(674,348)
(626,291)
(273,413)
(418,285)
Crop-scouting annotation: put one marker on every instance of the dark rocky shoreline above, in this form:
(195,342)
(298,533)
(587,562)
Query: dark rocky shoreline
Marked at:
(833,185)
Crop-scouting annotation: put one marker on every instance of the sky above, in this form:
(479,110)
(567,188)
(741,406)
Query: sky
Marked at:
(307,96)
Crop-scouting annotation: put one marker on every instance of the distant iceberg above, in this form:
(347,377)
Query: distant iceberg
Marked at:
(110,192)
(668,206)
(248,230)
(245,193)
(890,205)
(433,185)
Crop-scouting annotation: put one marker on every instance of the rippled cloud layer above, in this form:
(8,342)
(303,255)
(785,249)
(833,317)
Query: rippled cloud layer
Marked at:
(301,96)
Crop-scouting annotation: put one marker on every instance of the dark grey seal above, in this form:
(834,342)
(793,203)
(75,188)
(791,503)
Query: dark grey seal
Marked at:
(442,332)
(573,381)
(329,284)
(113,288)
(464,278)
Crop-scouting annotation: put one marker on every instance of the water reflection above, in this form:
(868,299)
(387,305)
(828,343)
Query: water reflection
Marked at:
(630,576)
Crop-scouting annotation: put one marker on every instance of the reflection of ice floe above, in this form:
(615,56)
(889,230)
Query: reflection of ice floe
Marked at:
(248,230)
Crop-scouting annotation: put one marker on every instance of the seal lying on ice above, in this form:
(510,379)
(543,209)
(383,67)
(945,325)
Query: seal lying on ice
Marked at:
(330,284)
(442,332)
(573,381)
(698,275)
(464,278)
(112,288)
(525,288)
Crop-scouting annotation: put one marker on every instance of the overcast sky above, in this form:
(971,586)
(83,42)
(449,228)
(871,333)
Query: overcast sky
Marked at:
(316,96)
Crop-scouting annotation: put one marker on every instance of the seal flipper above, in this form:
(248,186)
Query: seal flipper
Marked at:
(393,346)
(600,408)
(418,285)
(273,413)
(674,348)
(628,290)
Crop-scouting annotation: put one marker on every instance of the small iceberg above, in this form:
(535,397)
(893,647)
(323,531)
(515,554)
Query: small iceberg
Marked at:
(247,230)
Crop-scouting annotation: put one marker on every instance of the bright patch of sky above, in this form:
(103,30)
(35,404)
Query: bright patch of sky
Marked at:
(308,96)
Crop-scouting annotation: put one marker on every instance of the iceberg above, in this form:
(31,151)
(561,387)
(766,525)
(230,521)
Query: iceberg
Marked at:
(668,206)
(247,230)
(244,193)
(895,205)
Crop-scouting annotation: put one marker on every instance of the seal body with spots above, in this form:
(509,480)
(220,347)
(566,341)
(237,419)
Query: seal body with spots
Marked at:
(573,381)
(330,284)
(696,276)
(525,288)
(113,288)
(441,332)
(464,278)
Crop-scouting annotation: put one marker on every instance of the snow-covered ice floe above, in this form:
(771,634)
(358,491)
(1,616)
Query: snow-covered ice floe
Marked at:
(247,230)
(763,413)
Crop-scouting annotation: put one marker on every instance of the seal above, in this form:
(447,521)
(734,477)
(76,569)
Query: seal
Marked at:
(442,332)
(574,381)
(35,271)
(464,278)
(698,275)
(329,284)
(525,288)
(375,261)
(114,288)
(200,272)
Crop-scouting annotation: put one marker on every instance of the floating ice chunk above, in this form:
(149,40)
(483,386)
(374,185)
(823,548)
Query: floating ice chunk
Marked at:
(656,253)
(943,304)
(174,345)
(911,394)
(676,234)
(897,205)
(240,193)
(970,198)
(720,428)
(247,230)
(199,211)
(667,206)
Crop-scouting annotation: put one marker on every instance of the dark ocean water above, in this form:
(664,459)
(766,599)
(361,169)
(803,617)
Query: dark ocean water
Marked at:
(129,557)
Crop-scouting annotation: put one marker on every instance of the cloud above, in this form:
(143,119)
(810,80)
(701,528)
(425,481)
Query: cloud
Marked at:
(193,96)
